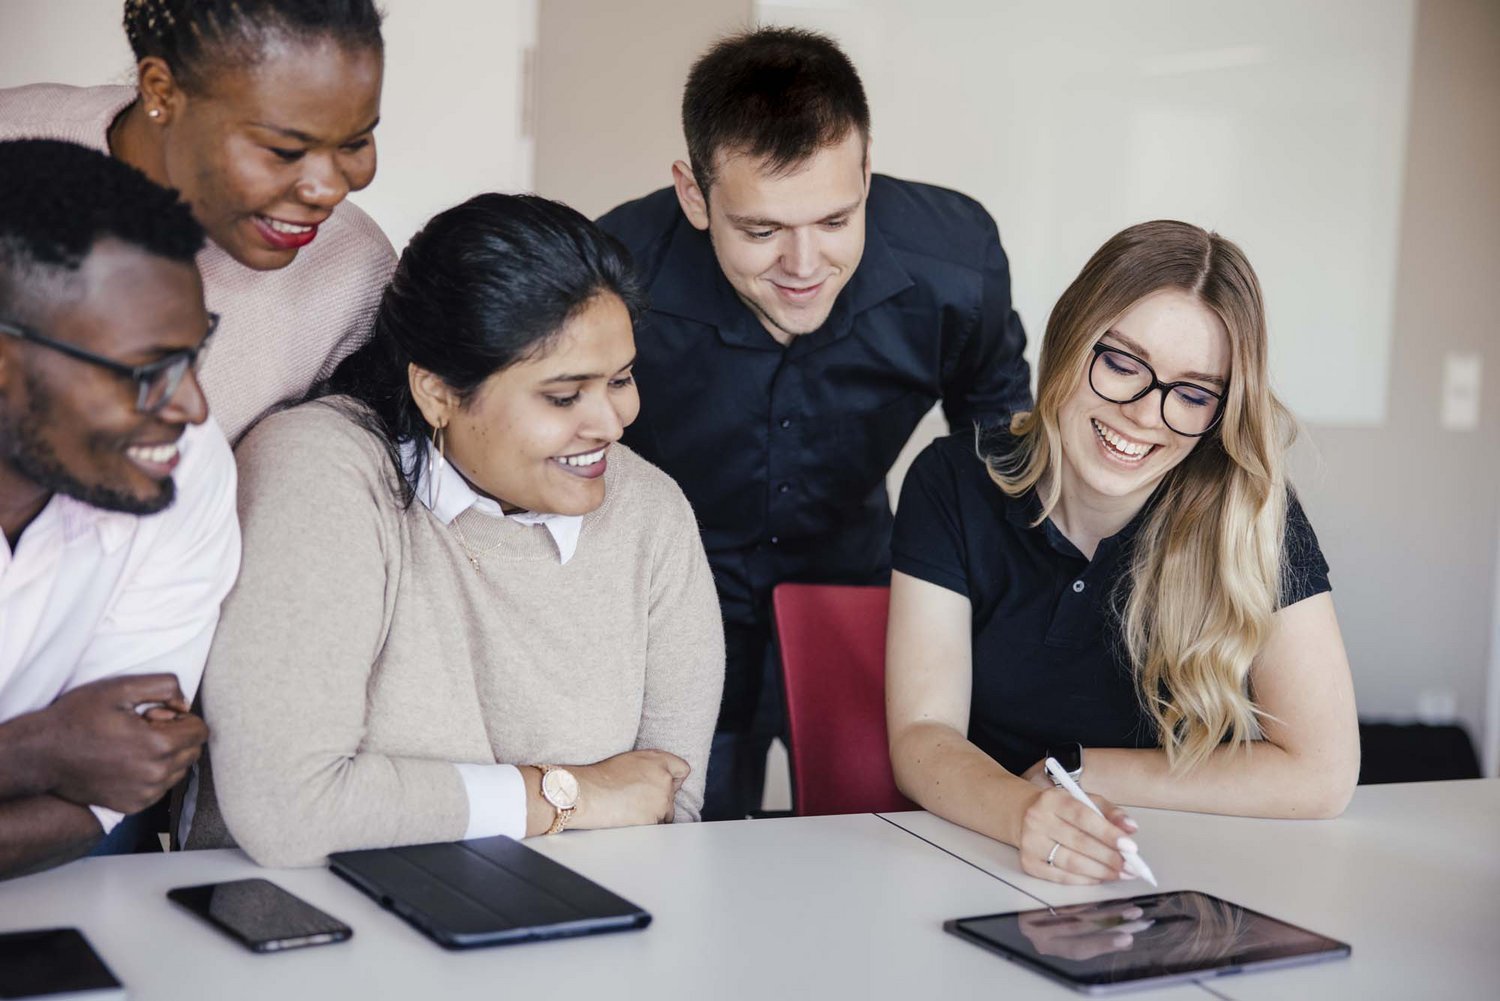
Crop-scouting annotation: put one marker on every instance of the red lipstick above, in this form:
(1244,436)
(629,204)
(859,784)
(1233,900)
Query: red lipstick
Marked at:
(281,239)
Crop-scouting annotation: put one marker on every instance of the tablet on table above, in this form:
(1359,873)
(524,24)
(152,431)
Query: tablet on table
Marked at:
(1120,945)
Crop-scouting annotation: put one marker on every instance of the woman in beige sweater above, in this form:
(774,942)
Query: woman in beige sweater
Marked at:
(465,609)
(261,113)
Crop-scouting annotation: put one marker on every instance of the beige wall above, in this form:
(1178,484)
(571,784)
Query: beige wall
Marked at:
(609,81)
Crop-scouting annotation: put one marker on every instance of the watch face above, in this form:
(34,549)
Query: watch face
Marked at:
(1070,756)
(560,788)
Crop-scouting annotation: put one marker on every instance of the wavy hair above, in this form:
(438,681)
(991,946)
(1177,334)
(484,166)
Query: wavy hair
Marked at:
(1205,577)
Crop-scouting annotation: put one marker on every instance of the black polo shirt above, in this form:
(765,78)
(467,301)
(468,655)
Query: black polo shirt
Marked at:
(783,451)
(1048,659)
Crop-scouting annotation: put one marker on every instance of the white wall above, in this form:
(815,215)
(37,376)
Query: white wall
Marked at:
(1272,122)
(1353,148)
(451,115)
(451,111)
(1325,188)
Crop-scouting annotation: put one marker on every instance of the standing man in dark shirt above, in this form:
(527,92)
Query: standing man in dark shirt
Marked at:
(805,314)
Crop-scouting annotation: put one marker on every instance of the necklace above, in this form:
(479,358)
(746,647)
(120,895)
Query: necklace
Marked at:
(468,551)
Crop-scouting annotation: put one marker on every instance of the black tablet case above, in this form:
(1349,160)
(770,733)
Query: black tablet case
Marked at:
(489,891)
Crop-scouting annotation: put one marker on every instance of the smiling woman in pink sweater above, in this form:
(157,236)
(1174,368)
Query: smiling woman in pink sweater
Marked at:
(262,114)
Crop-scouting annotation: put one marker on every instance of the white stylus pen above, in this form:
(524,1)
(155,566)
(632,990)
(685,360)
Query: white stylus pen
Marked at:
(1132,859)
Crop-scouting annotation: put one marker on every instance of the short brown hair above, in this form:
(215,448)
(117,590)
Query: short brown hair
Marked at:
(777,94)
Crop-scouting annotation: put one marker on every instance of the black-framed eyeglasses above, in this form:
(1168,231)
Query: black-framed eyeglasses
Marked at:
(1186,407)
(156,382)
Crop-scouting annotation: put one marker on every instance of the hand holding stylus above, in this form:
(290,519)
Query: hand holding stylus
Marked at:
(1134,864)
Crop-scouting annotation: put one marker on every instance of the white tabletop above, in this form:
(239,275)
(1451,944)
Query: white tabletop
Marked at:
(1409,877)
(829,907)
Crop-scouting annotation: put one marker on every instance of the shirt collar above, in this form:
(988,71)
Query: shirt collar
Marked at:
(450,496)
(690,284)
(77,519)
(1023,511)
(64,521)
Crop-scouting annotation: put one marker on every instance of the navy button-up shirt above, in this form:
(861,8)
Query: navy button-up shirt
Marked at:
(783,450)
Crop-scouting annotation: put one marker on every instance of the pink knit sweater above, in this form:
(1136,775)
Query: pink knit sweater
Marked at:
(280,330)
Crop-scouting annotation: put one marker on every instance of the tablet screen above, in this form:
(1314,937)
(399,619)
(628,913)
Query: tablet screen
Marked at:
(1159,936)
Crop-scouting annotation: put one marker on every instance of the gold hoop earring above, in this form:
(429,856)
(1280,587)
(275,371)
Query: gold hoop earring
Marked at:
(439,440)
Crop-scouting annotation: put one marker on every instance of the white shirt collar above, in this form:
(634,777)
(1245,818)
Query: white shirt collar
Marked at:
(78,518)
(71,520)
(450,496)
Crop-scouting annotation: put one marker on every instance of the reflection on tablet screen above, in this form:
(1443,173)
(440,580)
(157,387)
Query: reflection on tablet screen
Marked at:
(1150,937)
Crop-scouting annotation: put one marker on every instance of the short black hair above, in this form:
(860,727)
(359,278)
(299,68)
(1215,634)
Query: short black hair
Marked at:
(482,286)
(778,94)
(58,199)
(193,35)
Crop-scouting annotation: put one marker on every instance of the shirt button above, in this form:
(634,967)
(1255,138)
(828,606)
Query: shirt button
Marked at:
(1078,587)
(786,422)
(783,488)
(775,539)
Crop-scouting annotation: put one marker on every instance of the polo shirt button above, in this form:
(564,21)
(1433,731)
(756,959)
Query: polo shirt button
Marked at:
(786,422)
(1077,587)
(775,539)
(783,488)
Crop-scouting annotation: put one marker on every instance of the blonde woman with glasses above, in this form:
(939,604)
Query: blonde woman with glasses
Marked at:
(1122,580)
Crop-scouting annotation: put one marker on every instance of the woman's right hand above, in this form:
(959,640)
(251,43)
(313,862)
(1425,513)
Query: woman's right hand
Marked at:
(637,787)
(1088,846)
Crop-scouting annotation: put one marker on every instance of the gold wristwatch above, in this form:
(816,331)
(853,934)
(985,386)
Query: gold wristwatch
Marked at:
(560,788)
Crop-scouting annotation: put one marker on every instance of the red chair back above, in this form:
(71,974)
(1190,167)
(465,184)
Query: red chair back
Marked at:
(832,643)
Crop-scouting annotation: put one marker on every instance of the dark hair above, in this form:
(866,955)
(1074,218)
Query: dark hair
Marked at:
(192,35)
(778,94)
(59,199)
(482,286)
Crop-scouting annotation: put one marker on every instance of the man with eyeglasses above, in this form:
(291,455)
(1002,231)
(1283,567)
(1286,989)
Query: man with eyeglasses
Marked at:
(116,500)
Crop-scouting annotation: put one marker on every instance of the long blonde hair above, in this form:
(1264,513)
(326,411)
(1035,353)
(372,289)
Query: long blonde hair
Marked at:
(1205,577)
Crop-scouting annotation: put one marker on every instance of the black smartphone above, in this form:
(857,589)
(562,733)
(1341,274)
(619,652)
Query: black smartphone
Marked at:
(54,962)
(261,915)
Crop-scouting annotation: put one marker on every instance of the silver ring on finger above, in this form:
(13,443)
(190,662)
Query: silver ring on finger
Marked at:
(1053,853)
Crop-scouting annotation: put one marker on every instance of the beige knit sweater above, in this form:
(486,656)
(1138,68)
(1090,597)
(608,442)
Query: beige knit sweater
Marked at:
(280,330)
(360,653)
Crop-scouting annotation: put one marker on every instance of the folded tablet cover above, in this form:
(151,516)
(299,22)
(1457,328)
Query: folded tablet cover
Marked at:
(489,891)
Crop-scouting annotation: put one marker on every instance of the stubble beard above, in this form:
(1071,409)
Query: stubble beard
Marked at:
(29,454)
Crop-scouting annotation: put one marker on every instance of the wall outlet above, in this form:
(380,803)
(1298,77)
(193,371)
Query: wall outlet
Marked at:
(1460,410)
(1437,707)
